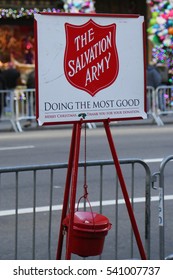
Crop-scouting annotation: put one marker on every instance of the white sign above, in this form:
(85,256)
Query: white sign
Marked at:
(89,67)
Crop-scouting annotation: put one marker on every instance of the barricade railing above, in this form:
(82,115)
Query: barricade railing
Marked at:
(164,101)
(165,208)
(17,105)
(7,107)
(152,105)
(29,229)
(25,106)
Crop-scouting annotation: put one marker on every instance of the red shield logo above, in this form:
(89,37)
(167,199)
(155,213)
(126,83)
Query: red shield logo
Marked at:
(91,59)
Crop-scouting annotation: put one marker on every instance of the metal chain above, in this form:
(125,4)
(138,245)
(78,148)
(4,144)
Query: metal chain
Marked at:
(85,167)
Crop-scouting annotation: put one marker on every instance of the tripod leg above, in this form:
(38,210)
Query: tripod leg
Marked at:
(124,191)
(66,193)
(73,190)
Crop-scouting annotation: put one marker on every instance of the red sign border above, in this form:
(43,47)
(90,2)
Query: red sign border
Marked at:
(88,15)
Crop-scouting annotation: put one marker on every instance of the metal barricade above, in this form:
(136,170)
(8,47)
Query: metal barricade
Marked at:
(152,106)
(24,106)
(7,107)
(165,209)
(164,101)
(29,229)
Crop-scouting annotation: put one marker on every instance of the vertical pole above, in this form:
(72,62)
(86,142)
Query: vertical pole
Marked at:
(124,191)
(161,216)
(73,190)
(66,192)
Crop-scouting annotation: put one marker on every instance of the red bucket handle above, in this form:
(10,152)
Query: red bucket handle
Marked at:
(85,196)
